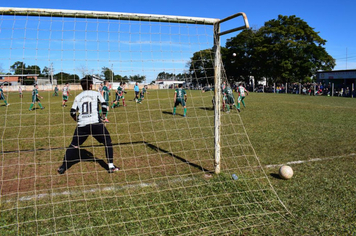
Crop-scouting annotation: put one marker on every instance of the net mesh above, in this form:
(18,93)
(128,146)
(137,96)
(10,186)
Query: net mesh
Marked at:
(166,183)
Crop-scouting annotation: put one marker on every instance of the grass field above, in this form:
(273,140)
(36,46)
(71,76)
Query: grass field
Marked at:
(165,187)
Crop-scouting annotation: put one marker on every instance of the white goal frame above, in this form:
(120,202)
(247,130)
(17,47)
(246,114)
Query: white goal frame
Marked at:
(156,18)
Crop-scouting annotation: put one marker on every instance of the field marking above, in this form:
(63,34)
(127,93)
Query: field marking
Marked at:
(143,185)
(94,190)
(311,160)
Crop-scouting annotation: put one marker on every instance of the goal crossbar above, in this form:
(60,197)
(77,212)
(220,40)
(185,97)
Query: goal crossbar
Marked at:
(106,15)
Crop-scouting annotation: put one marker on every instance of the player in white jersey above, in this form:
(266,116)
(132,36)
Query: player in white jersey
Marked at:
(86,104)
(241,90)
(65,94)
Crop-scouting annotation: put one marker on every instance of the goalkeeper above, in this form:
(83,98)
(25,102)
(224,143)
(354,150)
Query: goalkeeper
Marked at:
(89,123)
(180,97)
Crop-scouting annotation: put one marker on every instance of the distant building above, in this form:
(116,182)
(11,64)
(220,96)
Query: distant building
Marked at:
(337,77)
(165,84)
(28,79)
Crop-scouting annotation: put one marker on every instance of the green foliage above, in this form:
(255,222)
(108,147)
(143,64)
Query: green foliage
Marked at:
(63,78)
(137,78)
(107,73)
(172,76)
(201,66)
(285,49)
(20,68)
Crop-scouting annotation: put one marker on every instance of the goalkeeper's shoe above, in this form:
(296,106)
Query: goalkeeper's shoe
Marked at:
(114,169)
(61,170)
(42,108)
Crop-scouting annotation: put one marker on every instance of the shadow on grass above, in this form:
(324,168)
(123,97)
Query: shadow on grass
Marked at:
(207,108)
(276,176)
(167,112)
(85,155)
(153,147)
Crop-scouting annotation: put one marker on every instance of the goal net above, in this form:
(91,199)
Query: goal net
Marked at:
(167,156)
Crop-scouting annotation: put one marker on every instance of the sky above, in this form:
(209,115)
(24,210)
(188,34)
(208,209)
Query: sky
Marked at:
(335,21)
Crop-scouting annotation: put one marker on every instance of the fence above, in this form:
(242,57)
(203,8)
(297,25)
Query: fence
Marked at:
(312,89)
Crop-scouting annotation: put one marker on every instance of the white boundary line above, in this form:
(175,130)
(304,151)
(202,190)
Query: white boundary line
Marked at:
(311,160)
(143,185)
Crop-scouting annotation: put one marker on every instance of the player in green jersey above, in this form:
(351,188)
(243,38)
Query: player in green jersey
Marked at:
(2,95)
(35,98)
(119,95)
(241,90)
(55,91)
(142,94)
(106,93)
(180,97)
(230,100)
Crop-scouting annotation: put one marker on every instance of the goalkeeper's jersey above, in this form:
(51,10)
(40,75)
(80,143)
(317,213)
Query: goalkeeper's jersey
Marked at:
(87,105)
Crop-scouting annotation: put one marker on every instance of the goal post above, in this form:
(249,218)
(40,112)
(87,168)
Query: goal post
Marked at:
(218,80)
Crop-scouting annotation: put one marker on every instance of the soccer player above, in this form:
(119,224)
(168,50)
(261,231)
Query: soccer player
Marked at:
(106,93)
(2,95)
(241,90)
(180,97)
(137,91)
(142,94)
(56,91)
(20,92)
(85,111)
(119,95)
(223,86)
(230,100)
(65,94)
(35,98)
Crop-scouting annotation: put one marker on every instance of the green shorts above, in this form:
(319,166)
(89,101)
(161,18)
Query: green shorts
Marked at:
(179,101)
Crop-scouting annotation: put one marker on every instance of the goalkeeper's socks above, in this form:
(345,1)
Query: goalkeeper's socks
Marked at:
(40,105)
(228,107)
(174,110)
(31,106)
(238,105)
(185,111)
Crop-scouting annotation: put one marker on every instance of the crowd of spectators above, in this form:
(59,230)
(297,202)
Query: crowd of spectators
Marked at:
(311,89)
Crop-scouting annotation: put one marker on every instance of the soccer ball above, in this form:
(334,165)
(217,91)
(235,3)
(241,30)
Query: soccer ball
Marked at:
(285,172)
(234,54)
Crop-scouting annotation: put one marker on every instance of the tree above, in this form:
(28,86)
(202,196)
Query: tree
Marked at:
(243,57)
(137,78)
(18,68)
(107,73)
(286,49)
(201,66)
(63,78)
